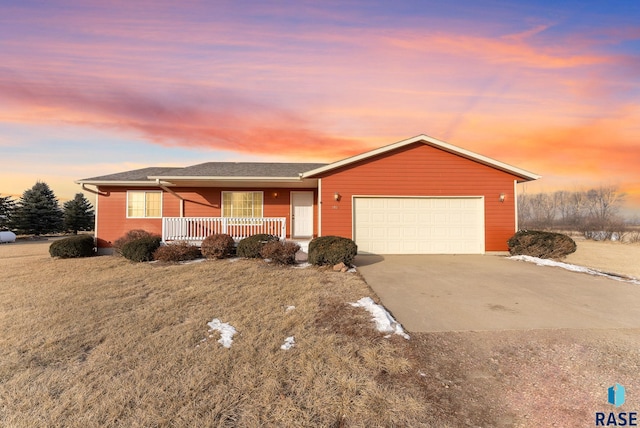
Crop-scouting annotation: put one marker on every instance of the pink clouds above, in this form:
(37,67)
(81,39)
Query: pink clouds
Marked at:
(218,119)
(319,82)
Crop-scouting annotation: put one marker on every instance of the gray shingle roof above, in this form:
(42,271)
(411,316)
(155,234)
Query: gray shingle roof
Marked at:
(213,169)
(245,169)
(134,175)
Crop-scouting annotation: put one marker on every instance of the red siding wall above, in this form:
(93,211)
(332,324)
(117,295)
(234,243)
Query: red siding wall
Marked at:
(199,202)
(420,170)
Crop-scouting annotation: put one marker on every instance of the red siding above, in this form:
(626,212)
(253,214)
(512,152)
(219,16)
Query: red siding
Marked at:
(420,170)
(199,202)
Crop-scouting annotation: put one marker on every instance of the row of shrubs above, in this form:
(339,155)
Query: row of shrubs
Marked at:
(140,246)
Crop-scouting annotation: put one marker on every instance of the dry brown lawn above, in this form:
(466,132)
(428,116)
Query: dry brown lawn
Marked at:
(614,257)
(104,342)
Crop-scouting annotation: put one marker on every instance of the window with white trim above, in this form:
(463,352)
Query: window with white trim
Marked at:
(242,204)
(144,204)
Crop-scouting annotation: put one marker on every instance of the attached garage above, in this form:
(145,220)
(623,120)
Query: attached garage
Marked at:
(420,196)
(419,225)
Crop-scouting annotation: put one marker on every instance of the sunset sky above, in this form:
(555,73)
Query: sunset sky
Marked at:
(95,87)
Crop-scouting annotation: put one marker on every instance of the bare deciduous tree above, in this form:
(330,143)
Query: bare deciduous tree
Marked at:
(604,202)
(593,212)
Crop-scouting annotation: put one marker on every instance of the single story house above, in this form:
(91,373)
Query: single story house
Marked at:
(417,196)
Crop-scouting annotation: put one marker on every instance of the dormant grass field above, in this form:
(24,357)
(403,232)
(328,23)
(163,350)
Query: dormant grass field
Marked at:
(105,342)
(102,342)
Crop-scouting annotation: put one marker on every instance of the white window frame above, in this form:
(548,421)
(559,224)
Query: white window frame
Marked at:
(242,191)
(145,203)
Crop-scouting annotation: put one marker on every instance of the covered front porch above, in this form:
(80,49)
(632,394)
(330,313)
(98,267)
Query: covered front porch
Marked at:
(195,229)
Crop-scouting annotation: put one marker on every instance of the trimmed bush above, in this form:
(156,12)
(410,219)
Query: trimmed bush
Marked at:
(176,252)
(331,250)
(128,237)
(283,253)
(544,245)
(250,247)
(142,249)
(72,247)
(218,246)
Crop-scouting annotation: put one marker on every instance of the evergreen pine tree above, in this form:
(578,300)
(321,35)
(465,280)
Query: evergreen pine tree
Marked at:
(78,214)
(7,206)
(37,211)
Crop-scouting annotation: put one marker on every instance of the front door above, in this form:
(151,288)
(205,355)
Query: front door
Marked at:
(301,214)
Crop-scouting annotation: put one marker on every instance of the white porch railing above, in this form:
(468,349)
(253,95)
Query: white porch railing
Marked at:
(195,229)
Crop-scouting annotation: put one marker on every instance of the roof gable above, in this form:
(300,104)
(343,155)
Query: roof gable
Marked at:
(424,139)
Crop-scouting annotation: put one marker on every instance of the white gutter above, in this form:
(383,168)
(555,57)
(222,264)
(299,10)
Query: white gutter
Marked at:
(166,189)
(95,192)
(115,183)
(224,178)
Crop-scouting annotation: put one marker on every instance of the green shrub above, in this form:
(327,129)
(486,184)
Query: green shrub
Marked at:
(280,252)
(72,247)
(142,249)
(250,247)
(331,250)
(176,252)
(544,245)
(218,246)
(128,237)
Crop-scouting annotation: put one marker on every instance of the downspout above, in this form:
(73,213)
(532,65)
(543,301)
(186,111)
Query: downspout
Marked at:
(168,190)
(95,216)
(515,202)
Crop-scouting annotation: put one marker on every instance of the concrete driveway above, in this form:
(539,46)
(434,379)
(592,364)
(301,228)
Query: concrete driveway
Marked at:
(462,293)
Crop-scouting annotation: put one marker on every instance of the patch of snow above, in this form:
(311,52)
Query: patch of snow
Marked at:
(573,268)
(352,269)
(289,343)
(289,308)
(234,259)
(188,262)
(383,319)
(301,265)
(226,332)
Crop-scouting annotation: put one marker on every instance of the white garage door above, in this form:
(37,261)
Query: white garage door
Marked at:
(419,225)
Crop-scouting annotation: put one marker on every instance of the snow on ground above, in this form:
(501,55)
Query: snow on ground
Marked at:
(301,265)
(289,343)
(573,268)
(289,308)
(226,332)
(383,319)
(188,262)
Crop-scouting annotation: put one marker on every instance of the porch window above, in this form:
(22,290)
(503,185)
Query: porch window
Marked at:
(141,204)
(242,204)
